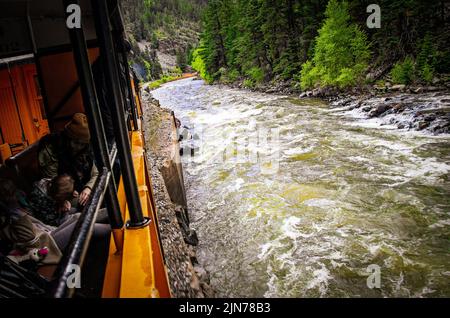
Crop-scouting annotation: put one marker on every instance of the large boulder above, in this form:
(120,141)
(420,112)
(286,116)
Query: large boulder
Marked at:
(379,110)
(399,87)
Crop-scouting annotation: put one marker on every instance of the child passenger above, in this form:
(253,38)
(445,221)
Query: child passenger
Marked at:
(50,199)
(20,230)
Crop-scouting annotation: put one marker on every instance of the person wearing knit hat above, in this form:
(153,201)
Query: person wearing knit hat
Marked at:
(78,129)
(69,152)
(77,133)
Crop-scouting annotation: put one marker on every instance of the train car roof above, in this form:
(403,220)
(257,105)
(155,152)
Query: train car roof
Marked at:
(33,26)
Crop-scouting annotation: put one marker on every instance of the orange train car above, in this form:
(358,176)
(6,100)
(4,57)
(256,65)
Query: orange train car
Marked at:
(22,115)
(46,76)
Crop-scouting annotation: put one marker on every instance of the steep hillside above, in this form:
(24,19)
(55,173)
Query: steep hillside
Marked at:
(162,33)
(325,43)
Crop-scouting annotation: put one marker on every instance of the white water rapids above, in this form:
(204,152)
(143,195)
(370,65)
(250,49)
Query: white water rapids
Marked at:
(306,211)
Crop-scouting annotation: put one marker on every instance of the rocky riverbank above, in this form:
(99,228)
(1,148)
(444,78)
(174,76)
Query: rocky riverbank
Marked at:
(423,108)
(428,112)
(186,276)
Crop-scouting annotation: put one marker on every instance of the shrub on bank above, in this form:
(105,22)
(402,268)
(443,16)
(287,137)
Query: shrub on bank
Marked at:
(256,74)
(199,65)
(403,72)
(341,52)
(248,83)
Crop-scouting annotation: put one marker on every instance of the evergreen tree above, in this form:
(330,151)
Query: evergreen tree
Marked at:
(341,53)
(280,39)
(213,44)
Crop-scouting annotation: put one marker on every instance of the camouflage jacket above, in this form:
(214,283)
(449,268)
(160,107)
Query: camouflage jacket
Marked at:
(51,154)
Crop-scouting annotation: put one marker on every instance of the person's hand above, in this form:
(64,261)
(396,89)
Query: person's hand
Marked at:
(84,196)
(75,194)
(66,206)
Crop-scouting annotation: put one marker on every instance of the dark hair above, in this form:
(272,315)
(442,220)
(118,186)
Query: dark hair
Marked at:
(61,188)
(8,192)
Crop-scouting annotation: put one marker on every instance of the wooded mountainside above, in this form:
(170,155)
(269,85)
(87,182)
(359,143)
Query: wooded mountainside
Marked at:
(160,31)
(313,43)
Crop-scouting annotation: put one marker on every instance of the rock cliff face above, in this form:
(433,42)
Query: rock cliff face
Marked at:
(186,276)
(160,31)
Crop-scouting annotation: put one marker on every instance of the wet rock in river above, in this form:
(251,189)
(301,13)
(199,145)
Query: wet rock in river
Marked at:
(430,118)
(417,90)
(399,107)
(423,124)
(399,87)
(431,89)
(366,109)
(379,110)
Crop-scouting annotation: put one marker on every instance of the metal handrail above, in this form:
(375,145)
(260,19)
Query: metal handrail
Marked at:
(81,237)
(113,153)
(93,112)
(107,52)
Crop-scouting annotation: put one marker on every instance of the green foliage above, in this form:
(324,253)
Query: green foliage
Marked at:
(427,53)
(181,60)
(198,64)
(256,74)
(347,77)
(341,53)
(286,67)
(443,61)
(427,73)
(260,39)
(148,4)
(176,71)
(423,68)
(403,72)
(320,42)
(248,83)
(229,76)
(148,68)
(154,21)
(189,54)
(426,59)
(165,79)
(233,75)
(309,75)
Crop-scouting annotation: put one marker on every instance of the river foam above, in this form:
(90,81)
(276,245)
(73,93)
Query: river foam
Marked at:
(308,214)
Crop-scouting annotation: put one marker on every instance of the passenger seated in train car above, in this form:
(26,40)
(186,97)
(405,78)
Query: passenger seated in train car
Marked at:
(50,200)
(21,231)
(69,152)
(24,233)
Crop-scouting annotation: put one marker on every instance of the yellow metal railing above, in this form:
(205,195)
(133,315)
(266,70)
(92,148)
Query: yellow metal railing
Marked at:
(138,271)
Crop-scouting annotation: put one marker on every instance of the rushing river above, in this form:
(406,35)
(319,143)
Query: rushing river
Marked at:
(323,202)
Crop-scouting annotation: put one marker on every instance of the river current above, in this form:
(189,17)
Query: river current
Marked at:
(291,198)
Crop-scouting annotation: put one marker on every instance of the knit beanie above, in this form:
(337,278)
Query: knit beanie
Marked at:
(78,129)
